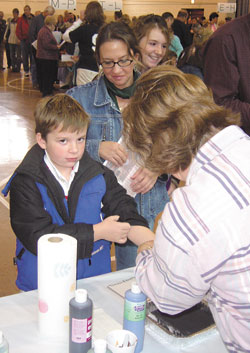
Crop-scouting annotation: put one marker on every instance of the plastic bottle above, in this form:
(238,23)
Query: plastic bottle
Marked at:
(80,325)
(4,346)
(100,346)
(135,314)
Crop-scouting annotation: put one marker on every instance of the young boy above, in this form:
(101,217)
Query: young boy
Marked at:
(58,188)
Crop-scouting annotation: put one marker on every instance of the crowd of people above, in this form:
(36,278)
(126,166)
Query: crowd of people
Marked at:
(19,35)
(149,86)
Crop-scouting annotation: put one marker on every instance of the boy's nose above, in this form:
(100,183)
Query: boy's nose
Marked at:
(73,147)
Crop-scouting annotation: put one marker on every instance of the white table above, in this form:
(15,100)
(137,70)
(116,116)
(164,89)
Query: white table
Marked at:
(18,321)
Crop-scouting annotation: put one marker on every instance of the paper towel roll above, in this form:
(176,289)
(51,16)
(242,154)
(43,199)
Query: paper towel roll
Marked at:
(57,256)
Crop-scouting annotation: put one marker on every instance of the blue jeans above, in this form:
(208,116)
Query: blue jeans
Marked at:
(15,54)
(26,55)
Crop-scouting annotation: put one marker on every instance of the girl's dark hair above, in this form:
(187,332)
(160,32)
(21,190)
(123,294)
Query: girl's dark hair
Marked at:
(94,14)
(117,31)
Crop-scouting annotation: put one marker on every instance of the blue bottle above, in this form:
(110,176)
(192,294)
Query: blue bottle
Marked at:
(135,314)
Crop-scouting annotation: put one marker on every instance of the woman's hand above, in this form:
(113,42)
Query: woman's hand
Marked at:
(113,152)
(143,180)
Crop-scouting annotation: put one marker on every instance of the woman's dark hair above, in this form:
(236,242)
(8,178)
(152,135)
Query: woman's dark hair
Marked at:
(166,15)
(15,10)
(117,31)
(94,13)
(118,14)
(213,15)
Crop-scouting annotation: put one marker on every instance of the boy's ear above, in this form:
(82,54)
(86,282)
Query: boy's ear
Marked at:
(41,142)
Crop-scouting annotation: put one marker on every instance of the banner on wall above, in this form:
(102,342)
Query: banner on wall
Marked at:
(63,4)
(111,5)
(227,7)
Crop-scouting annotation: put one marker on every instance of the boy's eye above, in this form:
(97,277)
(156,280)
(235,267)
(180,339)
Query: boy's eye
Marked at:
(81,139)
(63,141)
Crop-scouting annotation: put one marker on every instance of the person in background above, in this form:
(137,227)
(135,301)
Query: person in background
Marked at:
(47,56)
(60,24)
(22,32)
(35,26)
(58,188)
(226,67)
(125,19)
(175,43)
(213,18)
(84,32)
(117,15)
(201,248)
(14,42)
(181,29)
(2,32)
(191,60)
(153,38)
(171,58)
(104,99)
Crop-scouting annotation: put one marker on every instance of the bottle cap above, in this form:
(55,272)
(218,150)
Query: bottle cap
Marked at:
(100,346)
(135,288)
(81,295)
(1,337)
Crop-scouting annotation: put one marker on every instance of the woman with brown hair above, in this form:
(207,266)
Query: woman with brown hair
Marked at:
(202,242)
(153,38)
(85,35)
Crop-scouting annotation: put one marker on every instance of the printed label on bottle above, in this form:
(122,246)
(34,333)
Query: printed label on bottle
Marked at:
(135,311)
(81,330)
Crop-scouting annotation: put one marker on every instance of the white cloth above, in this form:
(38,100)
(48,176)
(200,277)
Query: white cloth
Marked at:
(203,240)
(84,76)
(74,26)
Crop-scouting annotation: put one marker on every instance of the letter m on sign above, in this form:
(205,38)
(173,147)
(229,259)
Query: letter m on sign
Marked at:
(55,4)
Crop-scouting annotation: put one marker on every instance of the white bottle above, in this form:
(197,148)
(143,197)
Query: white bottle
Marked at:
(4,346)
(100,346)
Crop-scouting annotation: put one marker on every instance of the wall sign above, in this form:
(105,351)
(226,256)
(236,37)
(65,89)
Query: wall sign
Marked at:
(111,5)
(227,7)
(63,4)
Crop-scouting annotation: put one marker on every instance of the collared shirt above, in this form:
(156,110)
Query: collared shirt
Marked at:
(202,241)
(65,184)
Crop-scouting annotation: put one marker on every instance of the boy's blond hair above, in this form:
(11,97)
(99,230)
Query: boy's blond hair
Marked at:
(170,116)
(59,110)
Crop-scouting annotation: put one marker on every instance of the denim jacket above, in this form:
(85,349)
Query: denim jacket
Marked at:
(106,125)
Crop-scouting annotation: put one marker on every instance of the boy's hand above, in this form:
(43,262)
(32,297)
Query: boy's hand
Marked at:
(113,152)
(112,230)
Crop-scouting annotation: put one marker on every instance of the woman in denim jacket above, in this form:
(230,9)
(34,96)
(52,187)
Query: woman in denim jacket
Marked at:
(103,99)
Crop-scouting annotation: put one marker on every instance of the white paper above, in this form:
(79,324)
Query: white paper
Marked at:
(56,283)
(126,171)
(35,44)
(103,324)
(58,36)
(66,57)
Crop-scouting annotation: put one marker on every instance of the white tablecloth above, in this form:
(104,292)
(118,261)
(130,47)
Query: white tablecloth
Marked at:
(18,321)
